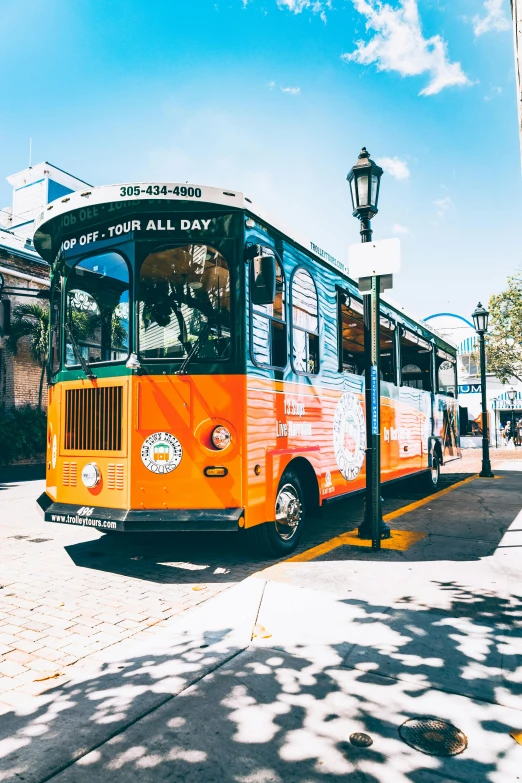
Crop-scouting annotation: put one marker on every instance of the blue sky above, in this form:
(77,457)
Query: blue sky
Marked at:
(276,98)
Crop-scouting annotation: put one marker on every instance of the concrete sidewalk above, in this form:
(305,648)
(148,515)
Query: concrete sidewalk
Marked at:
(267,681)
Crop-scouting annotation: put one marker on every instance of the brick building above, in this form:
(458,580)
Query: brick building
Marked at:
(22,268)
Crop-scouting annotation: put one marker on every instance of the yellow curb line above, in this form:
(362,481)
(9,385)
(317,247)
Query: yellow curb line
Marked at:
(425,501)
(351,538)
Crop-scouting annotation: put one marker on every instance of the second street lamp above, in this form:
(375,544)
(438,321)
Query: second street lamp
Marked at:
(480,319)
(364,179)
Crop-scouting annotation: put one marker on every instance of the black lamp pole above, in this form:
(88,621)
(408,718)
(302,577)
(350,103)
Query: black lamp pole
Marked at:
(480,319)
(364,179)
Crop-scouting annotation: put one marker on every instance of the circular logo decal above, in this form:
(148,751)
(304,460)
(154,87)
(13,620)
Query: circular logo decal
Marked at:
(161,452)
(53,453)
(349,436)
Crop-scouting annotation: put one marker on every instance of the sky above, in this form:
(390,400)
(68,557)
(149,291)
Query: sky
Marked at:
(275,98)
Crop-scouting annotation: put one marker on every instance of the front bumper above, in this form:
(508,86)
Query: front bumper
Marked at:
(202,520)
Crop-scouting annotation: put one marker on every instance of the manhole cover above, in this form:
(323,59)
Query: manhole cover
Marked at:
(433,736)
(361,740)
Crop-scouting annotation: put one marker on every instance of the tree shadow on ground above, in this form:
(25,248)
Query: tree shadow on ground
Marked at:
(265,715)
(190,558)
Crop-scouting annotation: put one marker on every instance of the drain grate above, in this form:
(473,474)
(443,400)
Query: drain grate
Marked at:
(361,740)
(433,736)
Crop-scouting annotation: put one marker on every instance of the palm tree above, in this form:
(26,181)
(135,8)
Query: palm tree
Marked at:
(31,320)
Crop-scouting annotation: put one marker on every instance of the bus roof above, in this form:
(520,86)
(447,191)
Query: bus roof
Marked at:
(176,191)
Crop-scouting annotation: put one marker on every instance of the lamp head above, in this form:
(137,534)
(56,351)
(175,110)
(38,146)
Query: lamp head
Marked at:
(480,319)
(365,180)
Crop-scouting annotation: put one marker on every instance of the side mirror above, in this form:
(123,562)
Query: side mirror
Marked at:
(263,280)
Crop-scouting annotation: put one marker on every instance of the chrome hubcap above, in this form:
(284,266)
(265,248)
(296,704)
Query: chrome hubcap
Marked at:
(289,512)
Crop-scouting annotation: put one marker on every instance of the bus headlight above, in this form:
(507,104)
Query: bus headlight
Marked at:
(90,475)
(221,437)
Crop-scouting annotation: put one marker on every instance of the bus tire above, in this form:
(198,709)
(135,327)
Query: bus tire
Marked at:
(431,478)
(280,537)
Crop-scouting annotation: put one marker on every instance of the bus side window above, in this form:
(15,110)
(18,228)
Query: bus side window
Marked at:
(305,324)
(446,373)
(415,361)
(351,336)
(269,342)
(351,340)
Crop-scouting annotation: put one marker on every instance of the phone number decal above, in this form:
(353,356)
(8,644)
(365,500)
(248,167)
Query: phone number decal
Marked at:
(156,190)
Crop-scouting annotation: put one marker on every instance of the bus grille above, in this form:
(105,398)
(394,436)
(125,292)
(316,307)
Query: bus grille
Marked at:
(93,419)
(115,476)
(69,474)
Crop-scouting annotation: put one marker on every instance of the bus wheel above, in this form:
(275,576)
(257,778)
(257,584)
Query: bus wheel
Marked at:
(280,537)
(432,477)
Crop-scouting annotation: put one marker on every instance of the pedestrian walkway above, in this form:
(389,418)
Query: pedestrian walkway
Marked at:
(67,591)
(267,681)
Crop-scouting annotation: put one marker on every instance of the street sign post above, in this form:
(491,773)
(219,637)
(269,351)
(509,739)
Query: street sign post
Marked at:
(373,265)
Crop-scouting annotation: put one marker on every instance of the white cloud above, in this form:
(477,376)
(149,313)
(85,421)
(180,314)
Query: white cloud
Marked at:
(444,205)
(316,6)
(271,85)
(395,166)
(495,18)
(399,45)
(291,90)
(296,6)
(398,229)
(495,91)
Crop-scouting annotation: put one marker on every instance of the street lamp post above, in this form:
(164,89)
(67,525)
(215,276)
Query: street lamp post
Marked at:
(364,179)
(512,394)
(480,319)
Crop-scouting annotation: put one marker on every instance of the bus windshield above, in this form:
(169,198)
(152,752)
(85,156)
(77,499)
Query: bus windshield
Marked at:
(184,294)
(97,310)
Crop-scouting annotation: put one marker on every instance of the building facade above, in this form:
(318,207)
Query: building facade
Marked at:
(23,270)
(501,409)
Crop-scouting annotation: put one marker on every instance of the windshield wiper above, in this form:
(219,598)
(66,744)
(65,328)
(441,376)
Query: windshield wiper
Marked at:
(77,354)
(195,348)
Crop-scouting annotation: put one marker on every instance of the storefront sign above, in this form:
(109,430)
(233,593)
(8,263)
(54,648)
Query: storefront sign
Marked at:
(472,388)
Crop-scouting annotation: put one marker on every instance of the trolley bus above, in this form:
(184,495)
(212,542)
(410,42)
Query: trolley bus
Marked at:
(206,370)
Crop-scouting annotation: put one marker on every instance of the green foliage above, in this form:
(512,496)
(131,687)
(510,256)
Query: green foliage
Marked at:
(22,434)
(86,327)
(119,333)
(504,341)
(32,321)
